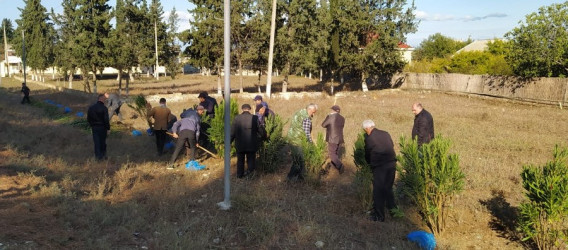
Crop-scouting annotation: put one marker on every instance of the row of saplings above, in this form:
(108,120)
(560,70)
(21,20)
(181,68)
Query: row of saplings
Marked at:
(430,177)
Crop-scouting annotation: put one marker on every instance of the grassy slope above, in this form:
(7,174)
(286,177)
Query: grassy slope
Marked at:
(54,195)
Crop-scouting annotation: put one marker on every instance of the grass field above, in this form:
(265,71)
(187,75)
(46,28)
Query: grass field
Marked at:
(53,195)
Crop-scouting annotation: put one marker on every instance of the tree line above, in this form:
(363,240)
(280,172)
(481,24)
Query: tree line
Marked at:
(538,47)
(328,38)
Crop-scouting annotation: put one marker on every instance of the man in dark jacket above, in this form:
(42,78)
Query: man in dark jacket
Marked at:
(380,155)
(245,132)
(423,128)
(209,103)
(334,123)
(26,93)
(97,116)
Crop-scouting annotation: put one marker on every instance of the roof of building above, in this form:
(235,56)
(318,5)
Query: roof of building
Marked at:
(479,45)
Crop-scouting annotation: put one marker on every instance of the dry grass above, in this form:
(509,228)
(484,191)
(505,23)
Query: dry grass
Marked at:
(54,195)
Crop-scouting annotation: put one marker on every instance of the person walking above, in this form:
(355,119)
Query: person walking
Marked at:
(97,116)
(334,123)
(188,127)
(161,115)
(302,124)
(423,129)
(300,131)
(245,132)
(26,92)
(113,104)
(380,155)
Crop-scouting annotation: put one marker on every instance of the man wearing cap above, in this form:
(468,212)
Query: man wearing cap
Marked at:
(334,123)
(245,132)
(263,113)
(161,115)
(188,127)
(258,100)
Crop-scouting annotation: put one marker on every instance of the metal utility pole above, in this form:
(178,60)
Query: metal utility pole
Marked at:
(24,54)
(156,74)
(226,203)
(271,50)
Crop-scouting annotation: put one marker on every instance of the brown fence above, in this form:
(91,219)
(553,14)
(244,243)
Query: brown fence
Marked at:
(542,90)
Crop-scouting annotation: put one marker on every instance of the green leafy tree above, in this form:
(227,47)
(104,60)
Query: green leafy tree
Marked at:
(37,28)
(255,52)
(205,38)
(270,152)
(544,214)
(538,45)
(431,177)
(216,131)
(438,46)
(7,25)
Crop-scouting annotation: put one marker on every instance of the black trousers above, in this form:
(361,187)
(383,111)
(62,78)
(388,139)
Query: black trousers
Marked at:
(185,136)
(99,138)
(251,162)
(26,99)
(383,195)
(160,140)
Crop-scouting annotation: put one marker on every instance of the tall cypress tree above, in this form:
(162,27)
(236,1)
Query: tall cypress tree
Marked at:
(34,23)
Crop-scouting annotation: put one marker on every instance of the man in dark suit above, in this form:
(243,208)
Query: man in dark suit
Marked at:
(423,128)
(245,132)
(334,123)
(379,153)
(97,116)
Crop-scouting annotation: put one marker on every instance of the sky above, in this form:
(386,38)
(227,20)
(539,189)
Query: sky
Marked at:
(458,19)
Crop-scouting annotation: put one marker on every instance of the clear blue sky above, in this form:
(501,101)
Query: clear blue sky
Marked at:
(459,19)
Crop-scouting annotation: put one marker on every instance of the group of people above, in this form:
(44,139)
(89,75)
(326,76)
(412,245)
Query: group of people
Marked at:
(248,131)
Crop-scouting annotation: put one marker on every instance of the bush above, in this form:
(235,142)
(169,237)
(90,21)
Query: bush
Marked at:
(363,180)
(314,155)
(431,177)
(139,105)
(216,131)
(270,152)
(544,216)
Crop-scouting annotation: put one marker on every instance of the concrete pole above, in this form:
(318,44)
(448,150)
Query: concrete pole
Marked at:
(156,74)
(271,50)
(226,203)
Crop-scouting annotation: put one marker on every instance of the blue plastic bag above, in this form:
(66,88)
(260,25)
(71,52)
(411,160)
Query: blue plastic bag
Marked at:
(423,239)
(194,166)
(67,110)
(80,114)
(150,131)
(136,133)
(49,101)
(169,145)
(59,105)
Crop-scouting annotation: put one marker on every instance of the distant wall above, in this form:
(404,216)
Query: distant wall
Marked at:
(542,90)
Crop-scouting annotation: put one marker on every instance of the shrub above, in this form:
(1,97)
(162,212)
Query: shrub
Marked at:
(431,177)
(216,130)
(313,156)
(270,152)
(544,216)
(363,180)
(139,105)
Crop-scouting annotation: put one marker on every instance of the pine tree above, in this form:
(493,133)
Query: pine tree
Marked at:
(205,37)
(173,48)
(34,24)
